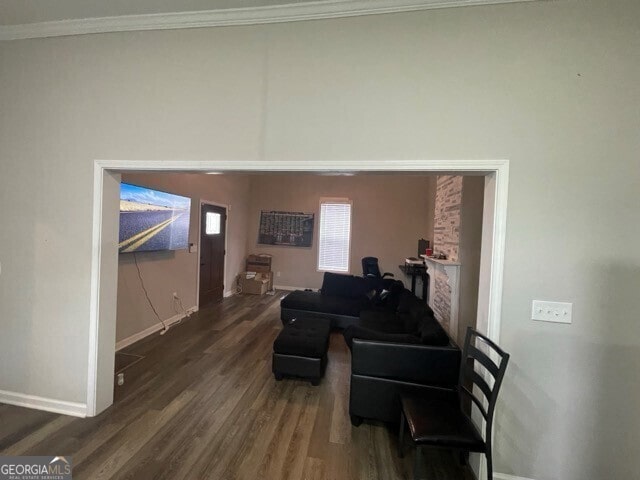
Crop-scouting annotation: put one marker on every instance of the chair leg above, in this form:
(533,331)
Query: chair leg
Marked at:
(401,436)
(416,463)
(489,463)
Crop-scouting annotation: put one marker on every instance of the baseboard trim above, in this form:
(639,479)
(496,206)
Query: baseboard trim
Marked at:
(136,337)
(288,287)
(229,293)
(506,476)
(74,409)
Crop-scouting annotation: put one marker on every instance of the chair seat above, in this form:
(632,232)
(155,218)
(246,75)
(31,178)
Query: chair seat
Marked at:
(437,420)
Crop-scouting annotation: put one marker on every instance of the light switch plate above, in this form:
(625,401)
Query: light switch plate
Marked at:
(551,311)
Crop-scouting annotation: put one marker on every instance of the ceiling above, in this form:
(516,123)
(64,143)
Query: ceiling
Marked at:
(47,18)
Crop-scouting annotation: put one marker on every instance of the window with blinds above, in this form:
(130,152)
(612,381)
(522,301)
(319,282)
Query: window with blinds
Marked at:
(334,237)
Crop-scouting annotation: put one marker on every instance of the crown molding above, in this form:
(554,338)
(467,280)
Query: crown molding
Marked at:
(231,16)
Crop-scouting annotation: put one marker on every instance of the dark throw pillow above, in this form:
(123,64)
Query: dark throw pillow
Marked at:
(390,298)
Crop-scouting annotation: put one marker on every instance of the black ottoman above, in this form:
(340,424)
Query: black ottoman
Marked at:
(301,349)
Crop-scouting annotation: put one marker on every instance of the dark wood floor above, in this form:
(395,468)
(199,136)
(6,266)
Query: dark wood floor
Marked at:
(203,404)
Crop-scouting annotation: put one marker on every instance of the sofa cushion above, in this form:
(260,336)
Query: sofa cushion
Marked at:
(432,333)
(405,301)
(379,315)
(409,303)
(381,323)
(347,286)
(364,333)
(412,310)
(316,302)
(376,326)
(410,323)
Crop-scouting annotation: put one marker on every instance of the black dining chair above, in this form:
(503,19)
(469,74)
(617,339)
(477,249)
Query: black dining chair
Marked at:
(438,418)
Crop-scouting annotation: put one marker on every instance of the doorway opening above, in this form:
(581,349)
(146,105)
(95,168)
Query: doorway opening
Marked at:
(105,235)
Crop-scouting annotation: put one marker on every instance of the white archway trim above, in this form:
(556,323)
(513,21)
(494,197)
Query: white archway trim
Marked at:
(491,274)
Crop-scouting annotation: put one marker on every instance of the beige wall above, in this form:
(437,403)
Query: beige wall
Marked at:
(469,250)
(177,271)
(389,215)
(552,86)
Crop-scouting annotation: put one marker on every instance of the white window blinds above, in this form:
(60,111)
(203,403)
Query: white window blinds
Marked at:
(334,236)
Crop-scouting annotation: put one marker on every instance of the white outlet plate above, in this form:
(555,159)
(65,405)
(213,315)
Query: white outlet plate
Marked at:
(557,312)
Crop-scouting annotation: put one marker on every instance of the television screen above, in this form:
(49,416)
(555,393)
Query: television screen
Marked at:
(152,220)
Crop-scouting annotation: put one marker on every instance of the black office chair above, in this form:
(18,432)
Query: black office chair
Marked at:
(438,419)
(371,270)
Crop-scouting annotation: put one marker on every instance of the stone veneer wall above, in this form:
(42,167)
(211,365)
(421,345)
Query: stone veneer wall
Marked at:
(446,223)
(446,239)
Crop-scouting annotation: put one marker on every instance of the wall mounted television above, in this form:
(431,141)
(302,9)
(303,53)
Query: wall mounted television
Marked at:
(151,220)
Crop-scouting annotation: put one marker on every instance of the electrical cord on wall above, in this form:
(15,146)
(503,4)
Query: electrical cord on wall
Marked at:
(178,301)
(146,294)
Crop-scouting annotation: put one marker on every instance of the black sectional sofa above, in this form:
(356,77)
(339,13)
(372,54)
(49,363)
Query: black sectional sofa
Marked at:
(341,299)
(396,343)
(393,351)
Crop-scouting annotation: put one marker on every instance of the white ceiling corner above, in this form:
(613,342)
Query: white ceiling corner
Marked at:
(262,13)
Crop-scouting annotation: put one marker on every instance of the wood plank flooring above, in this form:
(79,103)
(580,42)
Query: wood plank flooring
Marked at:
(203,404)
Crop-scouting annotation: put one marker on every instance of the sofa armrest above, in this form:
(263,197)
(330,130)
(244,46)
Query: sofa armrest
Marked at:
(423,364)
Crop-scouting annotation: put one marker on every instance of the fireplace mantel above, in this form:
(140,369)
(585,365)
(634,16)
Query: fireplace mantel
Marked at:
(451,270)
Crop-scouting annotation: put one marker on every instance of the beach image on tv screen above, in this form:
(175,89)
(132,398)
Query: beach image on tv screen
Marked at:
(152,220)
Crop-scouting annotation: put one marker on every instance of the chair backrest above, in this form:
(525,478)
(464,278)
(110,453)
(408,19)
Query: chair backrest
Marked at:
(482,351)
(370,267)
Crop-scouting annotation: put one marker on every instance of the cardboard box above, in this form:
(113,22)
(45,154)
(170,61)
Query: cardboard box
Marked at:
(258,263)
(255,285)
(270,275)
